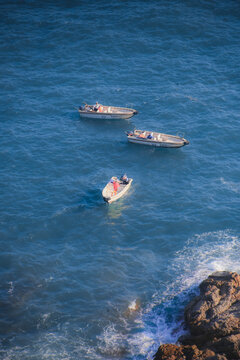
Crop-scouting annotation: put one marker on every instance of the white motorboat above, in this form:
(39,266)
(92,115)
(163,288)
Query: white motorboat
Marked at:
(156,139)
(99,111)
(108,193)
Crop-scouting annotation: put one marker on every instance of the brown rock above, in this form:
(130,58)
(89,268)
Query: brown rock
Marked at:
(174,352)
(209,353)
(169,352)
(216,312)
(213,319)
(229,345)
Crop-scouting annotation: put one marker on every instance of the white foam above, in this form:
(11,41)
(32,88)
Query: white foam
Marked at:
(112,342)
(216,265)
(11,288)
(141,343)
(133,306)
(235,187)
(44,318)
(60,212)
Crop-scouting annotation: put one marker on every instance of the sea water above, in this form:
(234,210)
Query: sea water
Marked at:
(81,279)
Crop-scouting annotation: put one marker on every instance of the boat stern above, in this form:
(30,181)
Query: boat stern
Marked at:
(106,199)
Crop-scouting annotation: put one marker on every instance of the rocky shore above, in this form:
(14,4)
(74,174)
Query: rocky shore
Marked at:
(213,321)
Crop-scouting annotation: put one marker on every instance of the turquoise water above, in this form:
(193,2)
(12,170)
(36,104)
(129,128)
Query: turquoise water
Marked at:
(81,279)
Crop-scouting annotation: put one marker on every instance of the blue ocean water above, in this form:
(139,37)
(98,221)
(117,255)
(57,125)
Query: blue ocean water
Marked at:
(80,279)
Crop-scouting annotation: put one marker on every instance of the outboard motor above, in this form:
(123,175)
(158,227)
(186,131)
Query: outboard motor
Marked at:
(124,179)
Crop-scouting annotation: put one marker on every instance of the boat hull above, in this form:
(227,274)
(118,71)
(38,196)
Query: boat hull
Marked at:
(105,116)
(156,143)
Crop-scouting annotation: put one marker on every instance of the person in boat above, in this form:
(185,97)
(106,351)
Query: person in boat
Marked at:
(113,178)
(88,108)
(116,185)
(150,136)
(124,179)
(141,135)
(96,106)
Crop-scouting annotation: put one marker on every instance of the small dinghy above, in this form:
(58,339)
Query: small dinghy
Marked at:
(156,139)
(115,189)
(99,111)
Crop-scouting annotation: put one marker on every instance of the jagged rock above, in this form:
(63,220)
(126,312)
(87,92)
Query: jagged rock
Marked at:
(174,352)
(216,312)
(213,319)
(169,352)
(229,345)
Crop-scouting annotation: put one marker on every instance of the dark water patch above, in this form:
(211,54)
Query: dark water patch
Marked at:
(91,199)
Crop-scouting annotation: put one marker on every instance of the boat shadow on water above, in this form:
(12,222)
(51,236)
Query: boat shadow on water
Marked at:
(146,152)
(154,149)
(122,124)
(92,198)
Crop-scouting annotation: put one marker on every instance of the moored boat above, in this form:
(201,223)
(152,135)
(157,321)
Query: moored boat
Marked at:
(110,195)
(99,111)
(156,139)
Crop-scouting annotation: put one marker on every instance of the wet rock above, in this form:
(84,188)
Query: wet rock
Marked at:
(169,352)
(174,352)
(213,320)
(216,312)
(229,345)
